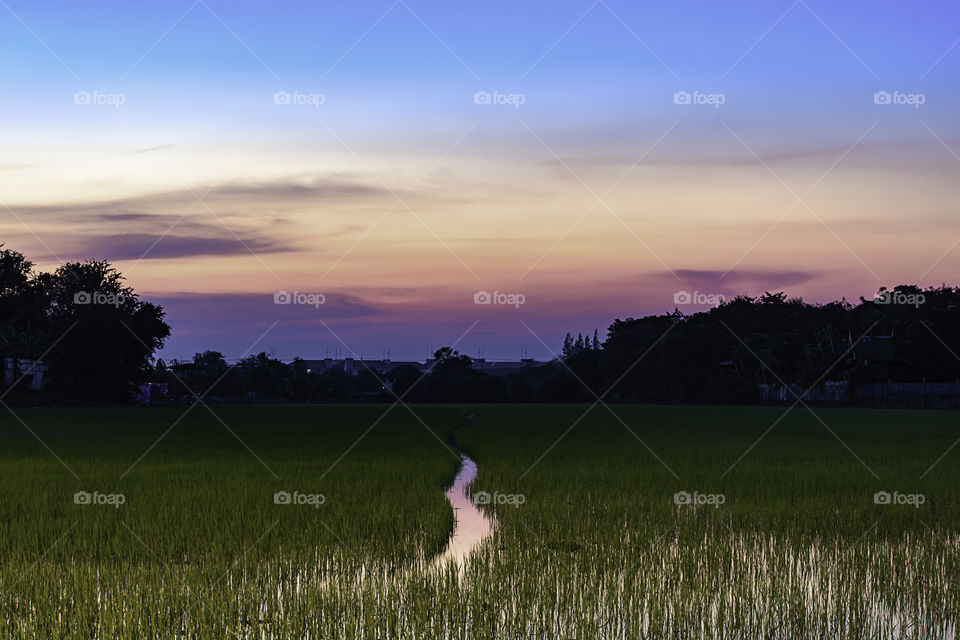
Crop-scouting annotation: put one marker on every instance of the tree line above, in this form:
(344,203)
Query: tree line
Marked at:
(904,334)
(99,339)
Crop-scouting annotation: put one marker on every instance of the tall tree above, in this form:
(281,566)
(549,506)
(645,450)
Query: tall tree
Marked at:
(103,335)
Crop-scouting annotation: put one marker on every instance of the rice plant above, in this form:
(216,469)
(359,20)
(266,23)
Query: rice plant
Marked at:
(305,522)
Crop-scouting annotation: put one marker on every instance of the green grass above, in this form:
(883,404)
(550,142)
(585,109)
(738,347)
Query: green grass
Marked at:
(599,549)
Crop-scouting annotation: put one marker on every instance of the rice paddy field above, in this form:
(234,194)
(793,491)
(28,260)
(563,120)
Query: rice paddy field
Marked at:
(326,522)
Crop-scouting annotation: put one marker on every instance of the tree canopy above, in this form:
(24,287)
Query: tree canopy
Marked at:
(92,330)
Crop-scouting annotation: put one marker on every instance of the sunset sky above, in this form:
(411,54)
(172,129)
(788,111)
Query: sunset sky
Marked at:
(398,157)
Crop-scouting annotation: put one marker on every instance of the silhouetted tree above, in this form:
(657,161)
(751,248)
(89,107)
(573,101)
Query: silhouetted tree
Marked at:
(93,331)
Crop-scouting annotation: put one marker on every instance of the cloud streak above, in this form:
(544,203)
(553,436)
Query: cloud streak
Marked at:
(132,246)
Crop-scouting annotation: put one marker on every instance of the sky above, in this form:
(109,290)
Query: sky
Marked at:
(382,177)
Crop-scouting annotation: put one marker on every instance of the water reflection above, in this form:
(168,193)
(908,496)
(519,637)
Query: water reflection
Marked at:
(471,526)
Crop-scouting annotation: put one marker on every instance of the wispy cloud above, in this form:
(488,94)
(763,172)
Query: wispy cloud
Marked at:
(132,246)
(745,280)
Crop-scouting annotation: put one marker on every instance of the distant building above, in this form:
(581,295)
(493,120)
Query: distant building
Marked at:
(355,366)
(504,367)
(150,392)
(32,370)
(878,354)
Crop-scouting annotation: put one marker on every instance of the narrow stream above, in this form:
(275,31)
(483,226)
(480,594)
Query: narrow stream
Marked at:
(471,526)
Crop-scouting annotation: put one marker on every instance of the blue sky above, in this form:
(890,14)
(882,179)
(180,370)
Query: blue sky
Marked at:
(212,196)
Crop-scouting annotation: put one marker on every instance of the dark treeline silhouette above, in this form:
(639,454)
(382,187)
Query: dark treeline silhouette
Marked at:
(92,340)
(727,354)
(93,334)
(449,377)
(746,350)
